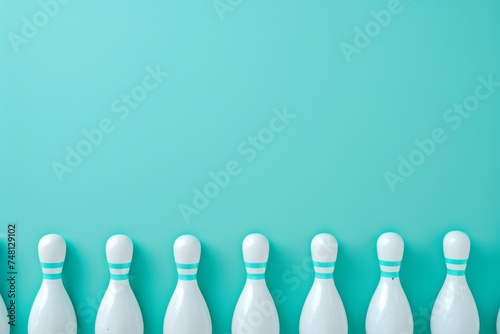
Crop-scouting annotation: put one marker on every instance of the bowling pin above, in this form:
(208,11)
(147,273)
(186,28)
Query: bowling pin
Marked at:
(498,322)
(119,311)
(255,312)
(4,323)
(455,310)
(323,311)
(187,311)
(52,310)
(389,311)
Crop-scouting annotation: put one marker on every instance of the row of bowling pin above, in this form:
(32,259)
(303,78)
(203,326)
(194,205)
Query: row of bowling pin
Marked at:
(454,312)
(389,312)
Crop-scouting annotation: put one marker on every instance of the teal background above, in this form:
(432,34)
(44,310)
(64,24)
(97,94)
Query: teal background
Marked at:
(323,173)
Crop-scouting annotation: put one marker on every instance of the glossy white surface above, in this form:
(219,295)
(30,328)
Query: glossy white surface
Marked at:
(389,311)
(119,311)
(498,322)
(187,311)
(255,248)
(455,310)
(255,312)
(4,323)
(52,310)
(323,311)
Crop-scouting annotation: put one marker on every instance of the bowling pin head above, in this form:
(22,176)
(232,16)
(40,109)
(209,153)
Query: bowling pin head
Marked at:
(187,253)
(456,246)
(255,255)
(324,248)
(52,253)
(119,251)
(390,248)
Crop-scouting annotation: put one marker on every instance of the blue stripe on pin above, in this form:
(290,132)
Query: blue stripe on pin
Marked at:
(187,265)
(255,265)
(119,265)
(455,261)
(323,264)
(323,275)
(187,277)
(119,277)
(389,263)
(52,265)
(52,277)
(389,274)
(455,272)
(256,276)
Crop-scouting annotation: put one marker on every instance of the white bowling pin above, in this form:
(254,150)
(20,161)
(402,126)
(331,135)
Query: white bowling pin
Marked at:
(455,310)
(119,311)
(187,311)
(498,322)
(52,310)
(255,312)
(4,323)
(323,311)
(389,311)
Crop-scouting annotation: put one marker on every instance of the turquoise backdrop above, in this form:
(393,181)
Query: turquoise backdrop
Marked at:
(353,118)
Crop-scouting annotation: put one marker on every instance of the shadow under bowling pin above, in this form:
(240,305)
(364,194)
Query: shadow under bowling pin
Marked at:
(255,312)
(323,311)
(455,310)
(187,311)
(389,311)
(52,310)
(119,311)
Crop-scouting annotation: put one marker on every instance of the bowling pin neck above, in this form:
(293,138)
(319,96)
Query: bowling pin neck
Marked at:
(187,271)
(53,283)
(52,270)
(323,270)
(456,267)
(117,286)
(456,279)
(389,269)
(256,270)
(119,271)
